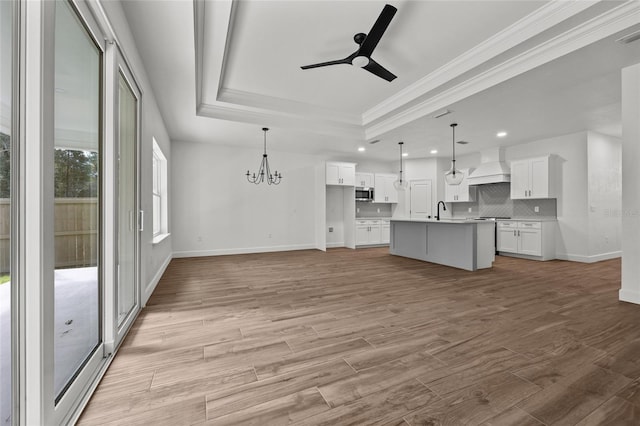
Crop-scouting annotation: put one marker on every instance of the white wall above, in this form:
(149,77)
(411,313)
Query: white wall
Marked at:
(216,211)
(630,290)
(154,258)
(605,195)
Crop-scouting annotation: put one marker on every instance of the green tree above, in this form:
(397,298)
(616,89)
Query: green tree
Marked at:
(5,165)
(76,173)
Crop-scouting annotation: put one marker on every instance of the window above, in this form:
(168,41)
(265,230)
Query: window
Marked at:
(160,210)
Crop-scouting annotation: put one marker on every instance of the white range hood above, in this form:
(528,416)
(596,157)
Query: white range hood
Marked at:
(492,168)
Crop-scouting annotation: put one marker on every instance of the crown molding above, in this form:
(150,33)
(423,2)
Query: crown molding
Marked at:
(245,114)
(531,25)
(595,29)
(294,108)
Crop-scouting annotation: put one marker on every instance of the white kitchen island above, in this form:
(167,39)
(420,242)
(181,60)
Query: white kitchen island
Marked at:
(461,243)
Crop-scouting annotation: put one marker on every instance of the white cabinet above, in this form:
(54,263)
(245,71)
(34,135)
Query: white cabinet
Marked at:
(384,191)
(530,238)
(531,178)
(368,232)
(385,231)
(364,180)
(341,174)
(460,193)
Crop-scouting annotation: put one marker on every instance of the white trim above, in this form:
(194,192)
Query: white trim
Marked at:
(335,245)
(160,238)
(588,259)
(223,252)
(595,29)
(151,286)
(629,296)
(531,25)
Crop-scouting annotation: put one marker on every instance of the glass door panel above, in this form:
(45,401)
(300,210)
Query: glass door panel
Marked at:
(6,78)
(77,169)
(128,298)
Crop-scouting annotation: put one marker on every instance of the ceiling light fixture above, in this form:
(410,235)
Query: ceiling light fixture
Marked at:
(406,154)
(434,151)
(501,134)
(453,176)
(400,184)
(361,149)
(264,170)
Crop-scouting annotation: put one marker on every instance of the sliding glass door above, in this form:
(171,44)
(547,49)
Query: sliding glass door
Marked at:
(77,198)
(7,291)
(129,221)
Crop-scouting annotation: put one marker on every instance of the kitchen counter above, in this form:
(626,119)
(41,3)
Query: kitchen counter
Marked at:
(461,243)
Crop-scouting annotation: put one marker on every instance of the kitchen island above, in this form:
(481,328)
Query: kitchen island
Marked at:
(461,243)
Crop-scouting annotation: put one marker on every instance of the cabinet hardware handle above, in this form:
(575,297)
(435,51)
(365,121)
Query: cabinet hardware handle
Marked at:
(518,233)
(514,232)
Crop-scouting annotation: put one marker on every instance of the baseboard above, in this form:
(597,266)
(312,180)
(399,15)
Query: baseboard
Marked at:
(629,296)
(148,290)
(335,245)
(223,252)
(589,259)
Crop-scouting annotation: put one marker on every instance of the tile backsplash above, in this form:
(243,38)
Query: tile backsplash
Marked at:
(364,209)
(494,200)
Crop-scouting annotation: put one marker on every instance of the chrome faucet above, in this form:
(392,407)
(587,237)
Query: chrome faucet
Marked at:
(444,209)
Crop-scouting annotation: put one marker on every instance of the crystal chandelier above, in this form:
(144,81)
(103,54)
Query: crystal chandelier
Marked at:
(264,170)
(453,176)
(400,184)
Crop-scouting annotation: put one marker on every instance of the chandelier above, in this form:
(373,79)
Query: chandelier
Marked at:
(264,170)
(453,176)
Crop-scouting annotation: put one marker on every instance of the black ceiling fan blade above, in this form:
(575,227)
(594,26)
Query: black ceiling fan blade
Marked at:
(378,29)
(324,64)
(375,68)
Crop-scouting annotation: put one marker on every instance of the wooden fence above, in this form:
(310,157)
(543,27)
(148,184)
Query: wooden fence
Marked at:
(75,231)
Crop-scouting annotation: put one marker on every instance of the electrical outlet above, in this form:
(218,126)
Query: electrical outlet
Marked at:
(469,209)
(536,209)
(331,229)
(378,209)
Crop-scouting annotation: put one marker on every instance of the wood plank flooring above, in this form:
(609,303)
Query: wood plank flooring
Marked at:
(361,337)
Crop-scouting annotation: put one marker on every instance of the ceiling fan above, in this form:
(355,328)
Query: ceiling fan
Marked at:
(367,42)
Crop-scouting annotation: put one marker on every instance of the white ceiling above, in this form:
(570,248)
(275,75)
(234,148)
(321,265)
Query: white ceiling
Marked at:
(533,68)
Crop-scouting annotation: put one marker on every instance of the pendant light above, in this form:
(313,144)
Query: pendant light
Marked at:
(400,184)
(453,176)
(264,171)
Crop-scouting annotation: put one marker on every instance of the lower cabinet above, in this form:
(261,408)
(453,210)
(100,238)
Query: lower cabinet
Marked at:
(527,238)
(372,232)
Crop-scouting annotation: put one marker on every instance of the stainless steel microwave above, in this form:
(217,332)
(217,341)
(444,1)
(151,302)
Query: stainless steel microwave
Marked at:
(364,194)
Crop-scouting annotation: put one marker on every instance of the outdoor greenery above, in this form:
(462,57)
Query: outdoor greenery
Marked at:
(5,165)
(76,173)
(5,279)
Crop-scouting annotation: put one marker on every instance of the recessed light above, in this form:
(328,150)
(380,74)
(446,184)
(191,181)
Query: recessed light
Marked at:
(501,134)
(434,151)
(405,154)
(361,149)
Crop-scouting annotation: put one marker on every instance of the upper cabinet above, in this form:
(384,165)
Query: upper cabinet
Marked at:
(531,178)
(384,191)
(462,193)
(341,173)
(364,180)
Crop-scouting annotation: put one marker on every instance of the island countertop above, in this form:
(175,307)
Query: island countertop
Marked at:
(461,243)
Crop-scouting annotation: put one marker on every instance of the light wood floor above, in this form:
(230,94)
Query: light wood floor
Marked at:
(361,337)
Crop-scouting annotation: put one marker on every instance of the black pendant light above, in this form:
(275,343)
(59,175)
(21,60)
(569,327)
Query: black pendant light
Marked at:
(453,176)
(400,184)
(264,172)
